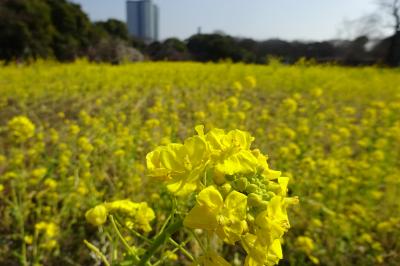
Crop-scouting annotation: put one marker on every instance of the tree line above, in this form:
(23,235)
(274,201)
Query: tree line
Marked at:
(32,29)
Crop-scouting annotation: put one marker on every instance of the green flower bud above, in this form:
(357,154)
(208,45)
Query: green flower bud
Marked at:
(266,182)
(241,184)
(251,188)
(225,189)
(263,204)
(254,200)
(230,177)
(252,180)
(266,196)
(218,177)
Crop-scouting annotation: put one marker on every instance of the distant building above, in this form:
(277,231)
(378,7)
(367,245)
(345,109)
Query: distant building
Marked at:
(143,19)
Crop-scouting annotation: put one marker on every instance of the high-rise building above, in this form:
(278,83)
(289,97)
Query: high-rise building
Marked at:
(143,19)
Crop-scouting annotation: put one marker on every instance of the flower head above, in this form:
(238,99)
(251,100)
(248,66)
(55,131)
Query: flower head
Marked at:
(21,128)
(226,217)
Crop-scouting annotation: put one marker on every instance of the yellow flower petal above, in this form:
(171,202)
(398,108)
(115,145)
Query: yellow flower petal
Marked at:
(212,259)
(171,158)
(200,217)
(211,198)
(236,203)
(196,149)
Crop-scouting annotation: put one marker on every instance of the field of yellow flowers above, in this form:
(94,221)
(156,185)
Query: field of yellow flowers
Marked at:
(98,161)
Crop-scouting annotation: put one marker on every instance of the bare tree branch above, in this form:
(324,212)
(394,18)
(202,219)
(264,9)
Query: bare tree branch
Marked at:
(392,7)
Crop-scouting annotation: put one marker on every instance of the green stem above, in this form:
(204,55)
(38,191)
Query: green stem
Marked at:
(133,231)
(181,248)
(20,221)
(97,252)
(165,258)
(160,240)
(127,246)
(166,222)
(198,241)
(137,234)
(173,251)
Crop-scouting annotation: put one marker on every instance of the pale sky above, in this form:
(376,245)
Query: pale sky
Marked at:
(257,19)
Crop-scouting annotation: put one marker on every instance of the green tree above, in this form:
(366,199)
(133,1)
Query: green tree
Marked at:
(72,30)
(25,29)
(115,28)
(214,47)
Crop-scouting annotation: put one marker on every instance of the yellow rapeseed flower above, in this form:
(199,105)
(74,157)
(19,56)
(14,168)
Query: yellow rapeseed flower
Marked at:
(225,217)
(97,215)
(21,128)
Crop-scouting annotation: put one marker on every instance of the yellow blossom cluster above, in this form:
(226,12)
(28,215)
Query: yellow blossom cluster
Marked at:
(136,215)
(21,128)
(240,198)
(50,233)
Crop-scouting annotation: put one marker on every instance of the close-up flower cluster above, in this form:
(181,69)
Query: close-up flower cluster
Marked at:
(240,199)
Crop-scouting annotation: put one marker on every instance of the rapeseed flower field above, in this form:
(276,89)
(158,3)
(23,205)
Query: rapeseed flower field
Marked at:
(199,164)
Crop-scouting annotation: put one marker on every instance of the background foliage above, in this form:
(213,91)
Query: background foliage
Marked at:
(31,29)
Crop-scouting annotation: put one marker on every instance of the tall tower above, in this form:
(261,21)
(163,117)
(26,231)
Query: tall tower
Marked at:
(156,17)
(143,19)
